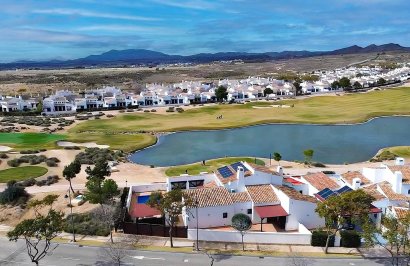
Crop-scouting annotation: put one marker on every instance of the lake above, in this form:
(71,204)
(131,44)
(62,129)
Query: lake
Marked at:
(332,144)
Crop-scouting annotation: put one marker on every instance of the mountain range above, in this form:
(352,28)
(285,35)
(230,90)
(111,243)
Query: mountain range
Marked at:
(148,57)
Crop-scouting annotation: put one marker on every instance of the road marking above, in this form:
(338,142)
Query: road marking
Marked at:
(70,259)
(146,258)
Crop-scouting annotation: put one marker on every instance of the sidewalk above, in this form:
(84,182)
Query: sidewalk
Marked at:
(185,245)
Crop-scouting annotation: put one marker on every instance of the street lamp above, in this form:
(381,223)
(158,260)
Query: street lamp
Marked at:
(197,224)
(71,214)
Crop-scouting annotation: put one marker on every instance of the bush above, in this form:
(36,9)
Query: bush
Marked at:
(28,183)
(318,164)
(91,155)
(350,239)
(329,172)
(13,194)
(319,239)
(13,163)
(41,183)
(3,156)
(29,151)
(180,110)
(86,224)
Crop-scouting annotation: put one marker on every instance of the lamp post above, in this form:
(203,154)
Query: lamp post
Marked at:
(197,224)
(71,214)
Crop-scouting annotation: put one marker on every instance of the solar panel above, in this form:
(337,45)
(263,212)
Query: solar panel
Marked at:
(326,193)
(344,190)
(235,166)
(225,172)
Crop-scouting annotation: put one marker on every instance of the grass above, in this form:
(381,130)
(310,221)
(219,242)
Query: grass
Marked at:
(351,108)
(125,142)
(22,173)
(210,165)
(30,140)
(401,151)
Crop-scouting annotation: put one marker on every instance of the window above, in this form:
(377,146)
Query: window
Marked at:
(408,192)
(375,215)
(249,211)
(225,215)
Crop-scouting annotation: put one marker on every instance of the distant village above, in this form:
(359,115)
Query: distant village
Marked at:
(194,92)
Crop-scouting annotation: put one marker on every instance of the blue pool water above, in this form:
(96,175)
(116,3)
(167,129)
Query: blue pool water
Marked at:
(142,199)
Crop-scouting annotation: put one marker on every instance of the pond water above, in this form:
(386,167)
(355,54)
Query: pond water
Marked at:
(333,144)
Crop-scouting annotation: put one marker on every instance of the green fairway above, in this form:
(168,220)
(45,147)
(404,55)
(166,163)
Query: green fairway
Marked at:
(30,140)
(125,142)
(210,165)
(401,151)
(22,173)
(351,108)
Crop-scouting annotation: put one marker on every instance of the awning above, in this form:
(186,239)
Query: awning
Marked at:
(374,209)
(270,211)
(143,210)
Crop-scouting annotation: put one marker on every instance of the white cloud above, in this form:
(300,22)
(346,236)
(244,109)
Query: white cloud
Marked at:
(130,28)
(194,4)
(85,13)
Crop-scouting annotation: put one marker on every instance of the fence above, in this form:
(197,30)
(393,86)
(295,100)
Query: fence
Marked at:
(148,229)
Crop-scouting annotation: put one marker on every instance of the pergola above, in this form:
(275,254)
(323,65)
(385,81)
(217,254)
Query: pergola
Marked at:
(270,211)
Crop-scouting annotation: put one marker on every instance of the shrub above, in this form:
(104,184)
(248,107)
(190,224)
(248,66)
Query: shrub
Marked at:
(3,156)
(350,239)
(29,151)
(319,239)
(41,183)
(180,110)
(86,224)
(91,155)
(318,164)
(51,163)
(13,194)
(329,172)
(28,183)
(13,163)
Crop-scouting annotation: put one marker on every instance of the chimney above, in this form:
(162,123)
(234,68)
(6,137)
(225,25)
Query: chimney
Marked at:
(279,169)
(397,182)
(399,161)
(356,182)
(240,175)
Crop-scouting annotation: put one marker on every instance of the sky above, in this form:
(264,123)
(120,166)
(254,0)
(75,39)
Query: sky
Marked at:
(68,29)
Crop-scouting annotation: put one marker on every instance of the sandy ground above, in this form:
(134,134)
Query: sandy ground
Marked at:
(5,148)
(13,215)
(85,144)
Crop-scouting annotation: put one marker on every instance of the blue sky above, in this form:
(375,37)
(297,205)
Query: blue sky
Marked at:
(64,29)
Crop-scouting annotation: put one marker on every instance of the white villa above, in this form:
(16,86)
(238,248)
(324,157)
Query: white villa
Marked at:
(14,104)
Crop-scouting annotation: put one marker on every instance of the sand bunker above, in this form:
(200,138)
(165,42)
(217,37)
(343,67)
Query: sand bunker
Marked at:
(271,106)
(5,148)
(85,144)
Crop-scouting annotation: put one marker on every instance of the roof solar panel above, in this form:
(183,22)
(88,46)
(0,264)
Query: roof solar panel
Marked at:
(225,172)
(326,193)
(235,166)
(344,190)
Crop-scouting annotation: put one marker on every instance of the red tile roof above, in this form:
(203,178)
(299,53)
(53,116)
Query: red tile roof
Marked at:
(320,181)
(210,197)
(349,176)
(270,211)
(404,169)
(262,194)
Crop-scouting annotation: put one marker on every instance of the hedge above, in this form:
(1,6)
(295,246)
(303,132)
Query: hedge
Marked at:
(350,239)
(319,239)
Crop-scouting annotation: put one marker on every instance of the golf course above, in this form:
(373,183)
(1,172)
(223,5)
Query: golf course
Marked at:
(129,132)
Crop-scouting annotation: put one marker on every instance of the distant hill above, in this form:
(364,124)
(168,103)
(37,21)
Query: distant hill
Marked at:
(142,56)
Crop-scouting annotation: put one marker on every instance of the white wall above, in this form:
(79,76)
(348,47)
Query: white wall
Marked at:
(210,216)
(303,237)
(148,187)
(206,177)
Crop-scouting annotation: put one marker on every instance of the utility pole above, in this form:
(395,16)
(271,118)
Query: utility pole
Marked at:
(71,214)
(197,224)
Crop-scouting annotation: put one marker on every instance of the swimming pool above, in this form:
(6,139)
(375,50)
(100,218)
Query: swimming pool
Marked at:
(142,199)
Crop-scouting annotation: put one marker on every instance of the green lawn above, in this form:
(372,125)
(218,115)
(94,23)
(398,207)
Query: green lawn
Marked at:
(125,142)
(210,165)
(30,140)
(21,173)
(401,151)
(350,108)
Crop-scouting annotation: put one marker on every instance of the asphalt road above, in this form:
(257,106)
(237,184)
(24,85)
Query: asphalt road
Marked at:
(12,253)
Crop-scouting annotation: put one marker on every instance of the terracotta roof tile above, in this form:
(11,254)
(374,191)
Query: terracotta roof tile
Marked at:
(262,169)
(296,195)
(404,169)
(210,184)
(210,197)
(372,190)
(262,194)
(320,181)
(240,197)
(390,194)
(349,176)
(401,212)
